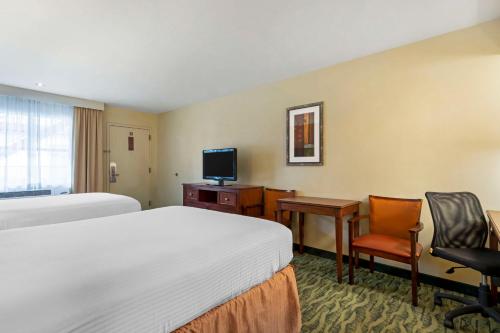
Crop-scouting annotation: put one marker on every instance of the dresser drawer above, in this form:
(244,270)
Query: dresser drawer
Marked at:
(191,194)
(227,198)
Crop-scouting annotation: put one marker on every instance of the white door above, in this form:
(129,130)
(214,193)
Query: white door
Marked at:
(129,169)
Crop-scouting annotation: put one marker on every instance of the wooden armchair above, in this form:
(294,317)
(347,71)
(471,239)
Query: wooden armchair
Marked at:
(269,210)
(394,227)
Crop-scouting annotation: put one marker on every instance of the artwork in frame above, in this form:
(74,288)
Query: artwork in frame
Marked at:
(305,134)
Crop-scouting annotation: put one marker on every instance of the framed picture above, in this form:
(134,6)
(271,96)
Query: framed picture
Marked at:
(304,137)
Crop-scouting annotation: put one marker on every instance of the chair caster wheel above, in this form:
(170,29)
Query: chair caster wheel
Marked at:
(438,301)
(449,324)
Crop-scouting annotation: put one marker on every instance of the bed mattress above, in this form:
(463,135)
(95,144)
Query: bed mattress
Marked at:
(149,271)
(33,211)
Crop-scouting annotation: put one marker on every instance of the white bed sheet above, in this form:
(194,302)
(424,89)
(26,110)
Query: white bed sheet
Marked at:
(33,211)
(150,271)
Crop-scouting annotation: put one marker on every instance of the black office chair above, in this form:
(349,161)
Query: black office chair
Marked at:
(460,232)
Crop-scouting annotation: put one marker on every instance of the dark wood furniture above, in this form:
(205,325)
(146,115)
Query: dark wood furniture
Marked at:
(228,199)
(337,208)
(494,217)
(394,226)
(269,209)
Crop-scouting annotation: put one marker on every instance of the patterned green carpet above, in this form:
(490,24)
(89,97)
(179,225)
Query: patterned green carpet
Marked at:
(377,303)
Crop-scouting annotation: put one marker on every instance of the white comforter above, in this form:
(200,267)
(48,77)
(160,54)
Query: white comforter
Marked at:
(27,212)
(150,271)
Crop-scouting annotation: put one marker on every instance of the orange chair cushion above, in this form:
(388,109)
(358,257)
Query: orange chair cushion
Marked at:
(393,217)
(391,245)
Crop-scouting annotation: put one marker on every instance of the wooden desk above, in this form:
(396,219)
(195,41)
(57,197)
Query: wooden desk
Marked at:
(337,208)
(494,217)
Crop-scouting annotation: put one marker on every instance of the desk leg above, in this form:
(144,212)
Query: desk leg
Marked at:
(338,241)
(494,288)
(356,235)
(301,233)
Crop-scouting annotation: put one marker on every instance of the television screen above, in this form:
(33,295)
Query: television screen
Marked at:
(220,164)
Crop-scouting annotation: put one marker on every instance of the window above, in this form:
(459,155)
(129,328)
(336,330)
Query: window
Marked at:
(36,145)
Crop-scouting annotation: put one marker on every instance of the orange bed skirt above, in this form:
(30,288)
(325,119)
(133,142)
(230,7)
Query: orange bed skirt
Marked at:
(272,306)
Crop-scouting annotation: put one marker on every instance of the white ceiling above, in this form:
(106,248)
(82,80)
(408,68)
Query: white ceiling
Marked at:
(158,55)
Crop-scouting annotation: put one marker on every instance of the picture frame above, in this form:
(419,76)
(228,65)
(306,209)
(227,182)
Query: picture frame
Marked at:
(304,134)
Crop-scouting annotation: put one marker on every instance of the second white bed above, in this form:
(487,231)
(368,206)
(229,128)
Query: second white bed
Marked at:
(33,211)
(150,271)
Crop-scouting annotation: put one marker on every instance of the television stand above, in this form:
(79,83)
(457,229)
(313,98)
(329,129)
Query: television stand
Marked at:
(230,199)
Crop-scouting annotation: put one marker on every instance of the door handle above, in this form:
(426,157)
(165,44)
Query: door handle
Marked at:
(112,172)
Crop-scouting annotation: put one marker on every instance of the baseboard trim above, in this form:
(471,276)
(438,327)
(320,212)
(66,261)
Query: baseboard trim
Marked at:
(460,287)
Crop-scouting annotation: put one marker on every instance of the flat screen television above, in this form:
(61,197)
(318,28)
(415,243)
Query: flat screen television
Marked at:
(220,164)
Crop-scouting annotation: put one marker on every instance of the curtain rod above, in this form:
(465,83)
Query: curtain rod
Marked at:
(48,97)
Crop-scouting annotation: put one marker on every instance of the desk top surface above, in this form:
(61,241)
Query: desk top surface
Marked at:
(324,202)
(494,217)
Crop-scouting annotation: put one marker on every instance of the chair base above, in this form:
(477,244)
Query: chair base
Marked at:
(415,280)
(482,305)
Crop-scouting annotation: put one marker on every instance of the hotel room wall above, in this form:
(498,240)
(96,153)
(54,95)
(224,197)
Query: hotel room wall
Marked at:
(423,117)
(134,118)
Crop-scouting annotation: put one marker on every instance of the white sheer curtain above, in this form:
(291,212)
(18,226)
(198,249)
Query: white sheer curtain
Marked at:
(36,144)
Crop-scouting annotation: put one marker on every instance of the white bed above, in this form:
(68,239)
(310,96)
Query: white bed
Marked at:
(33,211)
(150,271)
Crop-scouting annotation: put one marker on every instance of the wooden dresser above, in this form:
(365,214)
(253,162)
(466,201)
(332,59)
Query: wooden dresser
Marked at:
(229,198)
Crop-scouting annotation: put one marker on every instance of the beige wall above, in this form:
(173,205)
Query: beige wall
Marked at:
(115,115)
(400,123)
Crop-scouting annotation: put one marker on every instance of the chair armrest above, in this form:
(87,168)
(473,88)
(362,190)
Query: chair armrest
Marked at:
(246,208)
(416,229)
(354,227)
(284,211)
(414,238)
(358,218)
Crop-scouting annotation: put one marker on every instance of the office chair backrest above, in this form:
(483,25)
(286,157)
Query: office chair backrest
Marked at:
(458,220)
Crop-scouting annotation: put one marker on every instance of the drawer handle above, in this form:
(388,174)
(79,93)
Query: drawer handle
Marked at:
(190,194)
(226,199)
